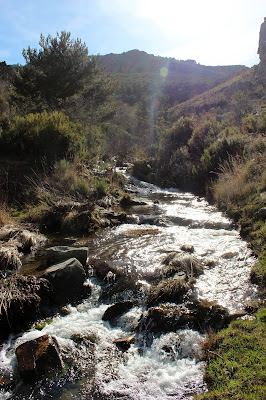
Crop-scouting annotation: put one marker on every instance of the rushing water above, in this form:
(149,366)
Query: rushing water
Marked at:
(169,367)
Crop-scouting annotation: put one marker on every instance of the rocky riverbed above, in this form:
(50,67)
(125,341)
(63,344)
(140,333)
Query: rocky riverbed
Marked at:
(125,310)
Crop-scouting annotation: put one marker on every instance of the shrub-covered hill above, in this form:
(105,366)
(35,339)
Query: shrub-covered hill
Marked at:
(177,80)
(225,98)
(136,61)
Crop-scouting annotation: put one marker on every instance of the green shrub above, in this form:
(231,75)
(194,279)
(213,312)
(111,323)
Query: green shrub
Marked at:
(175,138)
(256,122)
(203,135)
(101,186)
(44,136)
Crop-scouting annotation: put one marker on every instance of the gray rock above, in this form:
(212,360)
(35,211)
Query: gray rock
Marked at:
(60,253)
(67,280)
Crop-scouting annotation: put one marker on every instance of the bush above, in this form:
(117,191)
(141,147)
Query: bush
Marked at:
(256,122)
(44,136)
(177,137)
(101,187)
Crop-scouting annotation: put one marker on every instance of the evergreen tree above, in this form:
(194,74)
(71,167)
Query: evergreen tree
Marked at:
(61,76)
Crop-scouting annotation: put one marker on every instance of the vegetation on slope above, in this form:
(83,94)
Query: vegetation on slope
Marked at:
(236,360)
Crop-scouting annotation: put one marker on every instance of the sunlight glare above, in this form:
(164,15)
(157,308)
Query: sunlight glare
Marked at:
(164,72)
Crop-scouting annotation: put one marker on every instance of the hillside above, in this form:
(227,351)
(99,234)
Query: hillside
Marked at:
(173,80)
(221,97)
(136,61)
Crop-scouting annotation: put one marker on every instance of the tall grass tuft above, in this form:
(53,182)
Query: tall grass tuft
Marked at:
(4,215)
(235,181)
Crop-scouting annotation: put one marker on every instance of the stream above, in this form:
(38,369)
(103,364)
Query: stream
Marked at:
(168,365)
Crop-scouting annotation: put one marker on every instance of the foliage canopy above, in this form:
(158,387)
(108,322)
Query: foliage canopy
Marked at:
(60,76)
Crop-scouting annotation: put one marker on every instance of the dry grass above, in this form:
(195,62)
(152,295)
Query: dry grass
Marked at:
(233,182)
(142,231)
(238,179)
(21,299)
(169,290)
(20,288)
(4,215)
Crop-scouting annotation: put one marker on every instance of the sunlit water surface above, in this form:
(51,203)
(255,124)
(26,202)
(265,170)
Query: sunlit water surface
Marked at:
(169,220)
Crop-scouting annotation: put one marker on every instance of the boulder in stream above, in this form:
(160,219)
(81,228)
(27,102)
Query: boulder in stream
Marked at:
(60,253)
(104,270)
(124,343)
(67,280)
(168,317)
(38,357)
(116,310)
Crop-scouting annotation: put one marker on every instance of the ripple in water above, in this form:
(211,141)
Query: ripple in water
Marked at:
(169,368)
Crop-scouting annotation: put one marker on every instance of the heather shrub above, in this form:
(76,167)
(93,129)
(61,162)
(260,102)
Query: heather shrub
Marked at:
(43,136)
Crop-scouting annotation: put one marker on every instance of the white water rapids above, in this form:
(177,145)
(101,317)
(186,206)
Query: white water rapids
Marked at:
(169,368)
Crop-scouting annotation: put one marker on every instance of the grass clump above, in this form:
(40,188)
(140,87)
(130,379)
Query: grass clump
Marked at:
(4,215)
(236,361)
(168,290)
(21,298)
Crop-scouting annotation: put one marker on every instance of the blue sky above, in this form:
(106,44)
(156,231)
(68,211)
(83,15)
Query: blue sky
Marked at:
(212,32)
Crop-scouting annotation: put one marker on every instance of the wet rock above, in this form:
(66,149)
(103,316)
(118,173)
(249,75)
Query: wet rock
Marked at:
(127,201)
(168,290)
(187,248)
(102,269)
(89,339)
(163,319)
(125,342)
(116,310)
(210,316)
(123,289)
(38,357)
(115,218)
(152,220)
(60,253)
(229,255)
(203,317)
(67,281)
(5,382)
(65,311)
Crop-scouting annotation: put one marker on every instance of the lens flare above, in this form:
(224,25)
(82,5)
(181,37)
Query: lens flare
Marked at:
(164,72)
